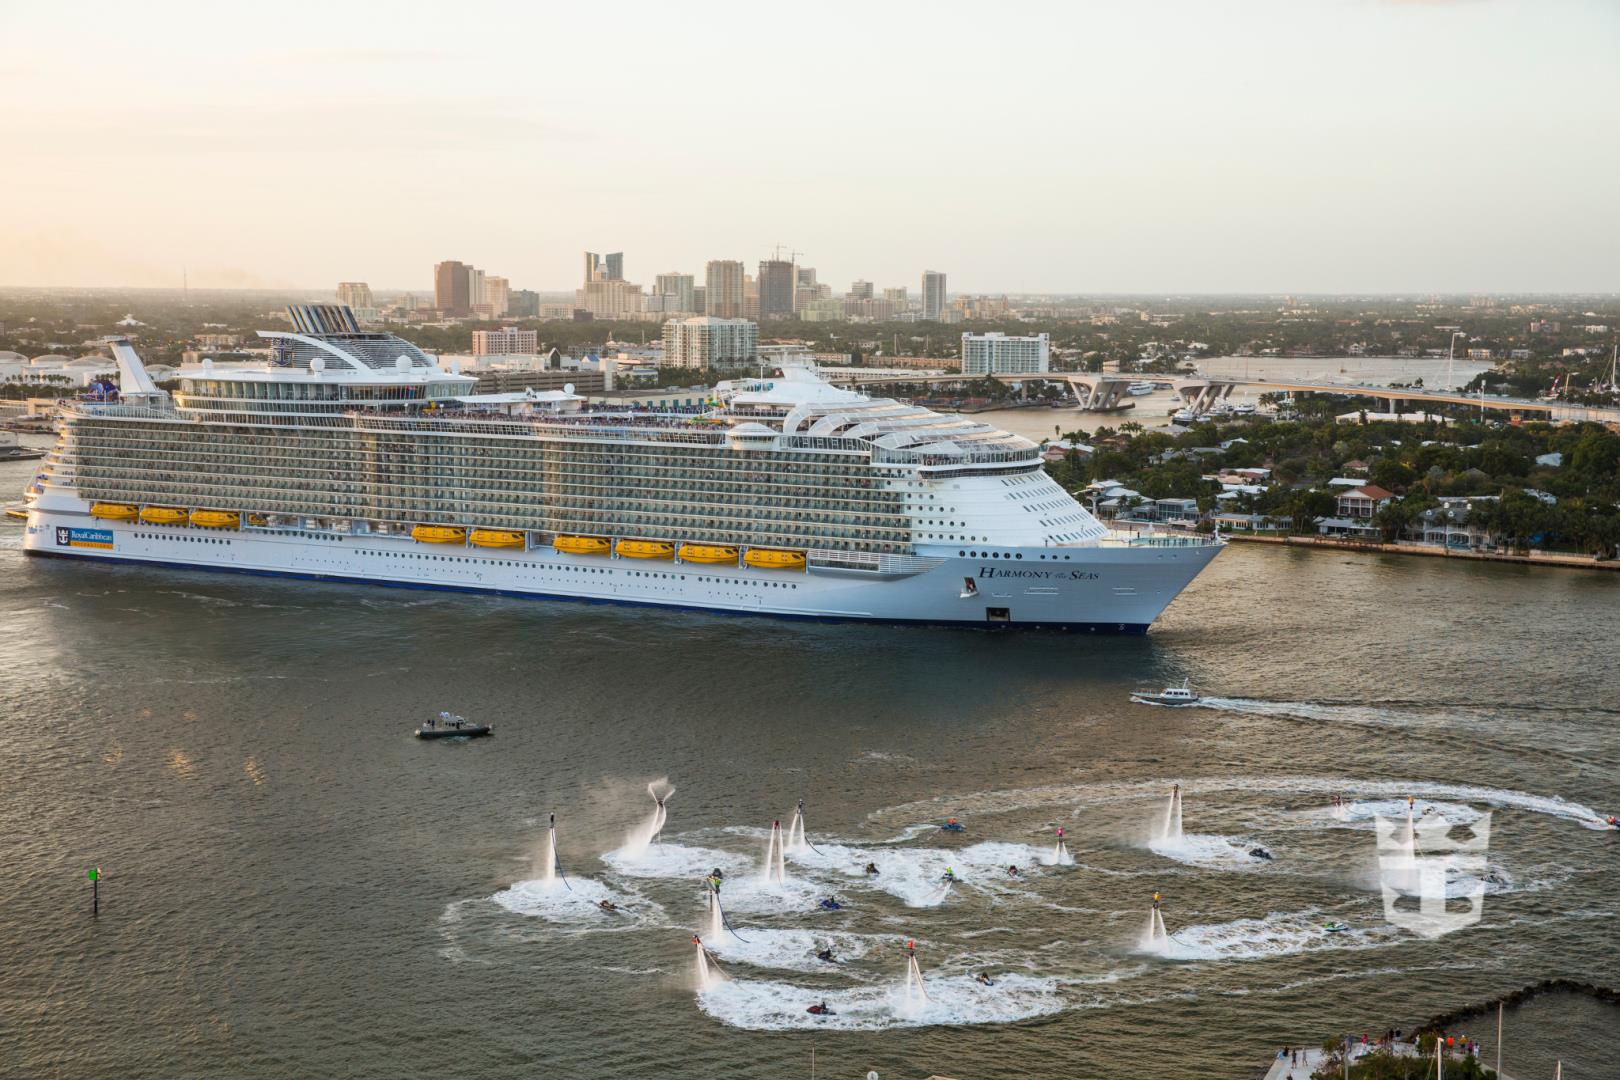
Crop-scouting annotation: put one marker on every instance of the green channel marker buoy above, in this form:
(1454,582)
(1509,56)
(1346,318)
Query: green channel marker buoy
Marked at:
(94,874)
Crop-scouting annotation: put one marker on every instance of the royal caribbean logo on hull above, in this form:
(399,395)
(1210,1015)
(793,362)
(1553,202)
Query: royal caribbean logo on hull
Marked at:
(84,538)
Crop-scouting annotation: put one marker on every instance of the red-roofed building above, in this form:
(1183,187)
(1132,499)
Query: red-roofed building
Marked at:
(1364,501)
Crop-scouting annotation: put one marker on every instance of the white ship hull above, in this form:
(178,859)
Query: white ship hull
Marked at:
(1108,588)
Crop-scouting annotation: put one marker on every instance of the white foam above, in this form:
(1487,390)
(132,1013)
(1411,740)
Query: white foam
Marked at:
(576,903)
(674,861)
(952,1000)
(791,950)
(1216,852)
(915,876)
(1278,934)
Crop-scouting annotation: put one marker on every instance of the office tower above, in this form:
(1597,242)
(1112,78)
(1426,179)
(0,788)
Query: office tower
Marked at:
(776,286)
(452,287)
(896,296)
(497,294)
(676,289)
(523,303)
(933,294)
(998,354)
(706,341)
(609,267)
(723,289)
(860,290)
(355,294)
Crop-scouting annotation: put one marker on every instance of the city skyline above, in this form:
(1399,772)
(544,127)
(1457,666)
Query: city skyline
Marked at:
(1098,148)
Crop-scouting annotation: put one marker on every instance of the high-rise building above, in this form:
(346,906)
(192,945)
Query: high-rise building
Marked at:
(896,296)
(610,298)
(475,291)
(805,276)
(609,267)
(676,289)
(700,298)
(355,294)
(497,294)
(933,294)
(723,289)
(452,287)
(706,342)
(505,342)
(523,303)
(776,287)
(860,290)
(998,354)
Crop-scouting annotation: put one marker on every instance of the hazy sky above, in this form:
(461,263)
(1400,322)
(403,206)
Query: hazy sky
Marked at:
(1126,145)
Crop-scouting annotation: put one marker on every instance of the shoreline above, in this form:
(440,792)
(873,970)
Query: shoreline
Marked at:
(1571,562)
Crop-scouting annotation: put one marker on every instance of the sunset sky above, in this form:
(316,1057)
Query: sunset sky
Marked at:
(1308,145)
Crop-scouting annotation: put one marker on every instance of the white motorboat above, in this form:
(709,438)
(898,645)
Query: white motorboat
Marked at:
(1170,695)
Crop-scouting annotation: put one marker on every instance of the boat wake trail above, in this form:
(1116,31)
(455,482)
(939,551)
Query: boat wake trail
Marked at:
(1277,934)
(951,1000)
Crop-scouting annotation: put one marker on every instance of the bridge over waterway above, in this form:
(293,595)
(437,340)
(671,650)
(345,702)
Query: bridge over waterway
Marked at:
(1106,391)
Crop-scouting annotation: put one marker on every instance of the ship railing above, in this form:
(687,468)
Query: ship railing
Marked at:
(1160,541)
(882,455)
(114,409)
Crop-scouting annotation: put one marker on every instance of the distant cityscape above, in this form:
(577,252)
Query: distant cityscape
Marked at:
(781,289)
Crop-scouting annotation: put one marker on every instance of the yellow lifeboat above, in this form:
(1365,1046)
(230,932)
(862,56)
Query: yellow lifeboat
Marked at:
(704,553)
(773,559)
(439,534)
(496,538)
(163,515)
(582,545)
(216,519)
(646,549)
(114,511)
(258,519)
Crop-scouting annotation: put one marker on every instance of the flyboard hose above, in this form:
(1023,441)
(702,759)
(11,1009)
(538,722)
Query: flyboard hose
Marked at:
(556,859)
(724,920)
(805,835)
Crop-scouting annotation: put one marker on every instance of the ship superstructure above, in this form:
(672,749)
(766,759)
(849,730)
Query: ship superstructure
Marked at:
(353,455)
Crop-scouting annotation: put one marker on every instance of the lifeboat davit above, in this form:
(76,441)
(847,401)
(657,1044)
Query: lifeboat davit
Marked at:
(496,538)
(163,515)
(706,553)
(439,534)
(114,511)
(582,545)
(774,559)
(646,549)
(216,519)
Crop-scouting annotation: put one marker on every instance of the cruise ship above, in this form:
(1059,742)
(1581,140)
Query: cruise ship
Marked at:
(353,456)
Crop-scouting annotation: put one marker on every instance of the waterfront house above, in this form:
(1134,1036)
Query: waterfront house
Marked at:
(1363,502)
(1448,525)
(1348,528)
(1235,522)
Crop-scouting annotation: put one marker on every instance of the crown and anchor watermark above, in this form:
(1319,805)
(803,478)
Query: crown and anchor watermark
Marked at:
(1417,857)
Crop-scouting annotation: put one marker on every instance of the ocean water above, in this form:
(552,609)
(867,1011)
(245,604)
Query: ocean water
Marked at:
(295,887)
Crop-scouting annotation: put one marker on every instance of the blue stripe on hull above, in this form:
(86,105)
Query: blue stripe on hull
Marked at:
(1082,627)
